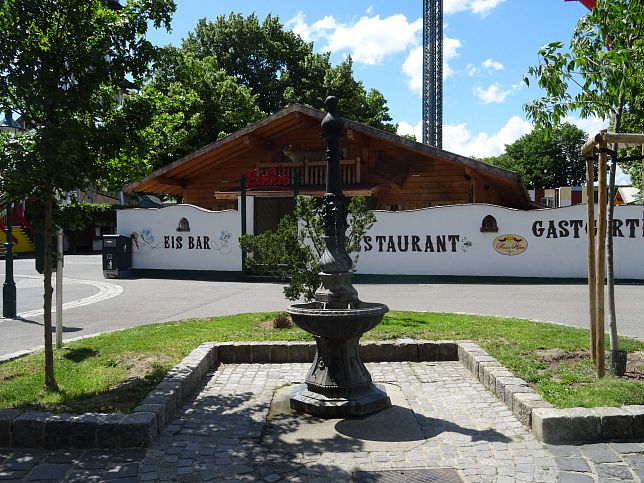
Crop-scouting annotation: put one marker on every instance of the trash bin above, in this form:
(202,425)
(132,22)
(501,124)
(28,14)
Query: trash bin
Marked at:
(117,256)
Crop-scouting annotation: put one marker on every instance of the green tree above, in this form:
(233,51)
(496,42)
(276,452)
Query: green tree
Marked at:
(633,121)
(292,252)
(282,69)
(546,161)
(63,65)
(601,75)
(263,56)
(193,103)
(357,104)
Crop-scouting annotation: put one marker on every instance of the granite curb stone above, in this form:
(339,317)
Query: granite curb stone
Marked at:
(550,425)
(147,421)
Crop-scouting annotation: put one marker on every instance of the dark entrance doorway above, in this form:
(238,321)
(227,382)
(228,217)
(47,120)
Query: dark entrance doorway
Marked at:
(269,211)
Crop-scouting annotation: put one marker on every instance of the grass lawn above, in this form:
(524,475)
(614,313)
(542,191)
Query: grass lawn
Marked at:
(113,372)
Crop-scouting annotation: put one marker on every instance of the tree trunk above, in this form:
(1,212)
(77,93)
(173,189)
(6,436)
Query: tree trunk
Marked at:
(610,259)
(610,269)
(592,255)
(602,204)
(50,380)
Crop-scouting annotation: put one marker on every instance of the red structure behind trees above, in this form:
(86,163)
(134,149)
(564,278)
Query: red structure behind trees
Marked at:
(590,4)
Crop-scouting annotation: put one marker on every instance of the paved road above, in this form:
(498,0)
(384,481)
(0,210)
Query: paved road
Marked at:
(93,304)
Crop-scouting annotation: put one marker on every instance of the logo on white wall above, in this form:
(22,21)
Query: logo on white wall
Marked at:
(510,245)
(144,239)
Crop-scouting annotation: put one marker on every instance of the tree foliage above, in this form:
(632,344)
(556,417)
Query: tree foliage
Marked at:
(263,56)
(63,66)
(193,103)
(292,252)
(357,104)
(547,161)
(281,68)
(601,74)
(633,121)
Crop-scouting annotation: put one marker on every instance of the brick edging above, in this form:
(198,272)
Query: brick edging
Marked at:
(141,427)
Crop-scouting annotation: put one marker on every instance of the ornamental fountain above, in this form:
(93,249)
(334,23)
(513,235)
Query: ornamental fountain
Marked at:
(338,384)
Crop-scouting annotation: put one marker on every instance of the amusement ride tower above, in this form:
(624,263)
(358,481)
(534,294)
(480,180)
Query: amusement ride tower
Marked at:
(433,72)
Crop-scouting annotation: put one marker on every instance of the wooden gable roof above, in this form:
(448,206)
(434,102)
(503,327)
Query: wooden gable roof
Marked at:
(281,126)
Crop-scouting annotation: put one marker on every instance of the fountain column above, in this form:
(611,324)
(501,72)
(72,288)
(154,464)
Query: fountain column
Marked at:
(338,384)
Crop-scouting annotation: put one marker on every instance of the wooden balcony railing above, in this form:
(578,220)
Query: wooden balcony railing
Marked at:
(313,173)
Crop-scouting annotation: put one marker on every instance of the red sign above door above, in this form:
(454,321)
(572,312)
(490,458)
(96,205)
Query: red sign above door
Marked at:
(256,179)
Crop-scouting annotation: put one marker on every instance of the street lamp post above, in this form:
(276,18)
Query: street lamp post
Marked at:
(9,286)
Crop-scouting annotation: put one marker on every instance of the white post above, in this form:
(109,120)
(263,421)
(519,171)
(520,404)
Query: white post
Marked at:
(59,290)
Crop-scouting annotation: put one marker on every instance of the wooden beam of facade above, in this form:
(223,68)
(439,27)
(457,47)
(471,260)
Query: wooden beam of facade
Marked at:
(215,161)
(170,181)
(255,142)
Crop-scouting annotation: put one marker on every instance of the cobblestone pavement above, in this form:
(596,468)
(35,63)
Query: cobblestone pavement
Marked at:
(218,435)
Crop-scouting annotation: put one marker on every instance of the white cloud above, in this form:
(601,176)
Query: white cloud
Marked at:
(406,128)
(455,6)
(449,52)
(493,94)
(413,68)
(484,7)
(460,140)
(590,126)
(368,41)
(413,65)
(472,70)
(481,7)
(487,65)
(492,64)
(316,30)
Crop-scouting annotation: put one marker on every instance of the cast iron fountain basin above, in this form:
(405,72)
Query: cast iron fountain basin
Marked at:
(338,385)
(337,323)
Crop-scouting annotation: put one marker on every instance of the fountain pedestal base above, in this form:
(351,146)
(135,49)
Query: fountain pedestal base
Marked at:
(360,403)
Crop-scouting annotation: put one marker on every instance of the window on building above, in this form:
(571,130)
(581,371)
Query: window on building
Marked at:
(489,225)
(548,201)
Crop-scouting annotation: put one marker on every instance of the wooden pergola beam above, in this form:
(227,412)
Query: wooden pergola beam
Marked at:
(627,139)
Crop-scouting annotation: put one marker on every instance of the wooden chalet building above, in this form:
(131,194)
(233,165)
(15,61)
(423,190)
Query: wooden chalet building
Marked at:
(283,154)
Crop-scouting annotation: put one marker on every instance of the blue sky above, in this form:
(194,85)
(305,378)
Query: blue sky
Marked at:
(488,45)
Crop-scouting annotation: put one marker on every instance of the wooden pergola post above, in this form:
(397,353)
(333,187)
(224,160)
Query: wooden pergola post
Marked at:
(597,236)
(602,201)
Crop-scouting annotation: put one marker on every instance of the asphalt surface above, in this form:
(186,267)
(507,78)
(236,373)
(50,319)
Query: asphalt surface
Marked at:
(93,304)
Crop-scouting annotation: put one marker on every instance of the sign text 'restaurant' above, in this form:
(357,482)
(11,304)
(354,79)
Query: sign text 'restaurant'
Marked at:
(412,243)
